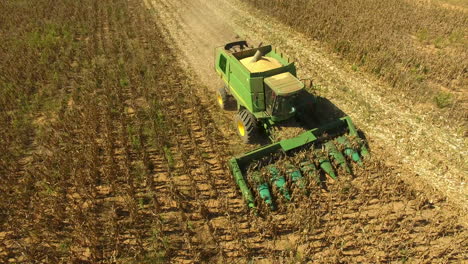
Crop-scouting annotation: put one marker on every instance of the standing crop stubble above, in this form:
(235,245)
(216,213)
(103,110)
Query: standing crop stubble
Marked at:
(87,117)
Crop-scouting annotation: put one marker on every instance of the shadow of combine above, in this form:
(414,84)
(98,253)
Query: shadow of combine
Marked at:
(316,111)
(321,112)
(326,111)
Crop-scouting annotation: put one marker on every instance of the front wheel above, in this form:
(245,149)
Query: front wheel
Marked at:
(246,125)
(222,98)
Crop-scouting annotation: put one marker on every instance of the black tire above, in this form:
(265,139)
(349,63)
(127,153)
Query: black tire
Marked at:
(246,126)
(222,98)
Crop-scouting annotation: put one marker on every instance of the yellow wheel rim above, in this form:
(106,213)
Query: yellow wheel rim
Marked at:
(241,128)
(220,100)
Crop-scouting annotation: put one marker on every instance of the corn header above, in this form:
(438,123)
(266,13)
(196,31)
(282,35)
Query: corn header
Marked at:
(271,101)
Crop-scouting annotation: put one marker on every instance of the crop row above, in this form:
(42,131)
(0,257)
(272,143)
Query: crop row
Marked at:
(418,47)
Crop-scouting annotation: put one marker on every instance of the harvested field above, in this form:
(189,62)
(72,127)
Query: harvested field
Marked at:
(416,46)
(114,151)
(420,138)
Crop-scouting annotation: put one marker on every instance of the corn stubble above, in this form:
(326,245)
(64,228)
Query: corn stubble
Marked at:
(418,47)
(108,156)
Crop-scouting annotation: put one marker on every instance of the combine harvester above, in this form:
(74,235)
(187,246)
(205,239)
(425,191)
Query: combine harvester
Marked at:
(269,99)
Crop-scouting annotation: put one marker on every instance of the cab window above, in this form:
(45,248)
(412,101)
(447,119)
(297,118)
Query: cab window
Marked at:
(269,99)
(222,63)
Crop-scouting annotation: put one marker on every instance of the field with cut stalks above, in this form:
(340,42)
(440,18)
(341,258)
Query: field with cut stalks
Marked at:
(113,150)
(419,47)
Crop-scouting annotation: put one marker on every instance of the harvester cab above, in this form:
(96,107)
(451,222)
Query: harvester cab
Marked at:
(262,81)
(281,95)
(268,94)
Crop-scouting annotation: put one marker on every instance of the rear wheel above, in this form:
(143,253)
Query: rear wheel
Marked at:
(246,126)
(222,98)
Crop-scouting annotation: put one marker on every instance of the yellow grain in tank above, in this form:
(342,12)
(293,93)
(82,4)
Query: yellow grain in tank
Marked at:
(263,64)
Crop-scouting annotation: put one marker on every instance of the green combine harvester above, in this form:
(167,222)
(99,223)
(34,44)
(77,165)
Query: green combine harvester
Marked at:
(268,95)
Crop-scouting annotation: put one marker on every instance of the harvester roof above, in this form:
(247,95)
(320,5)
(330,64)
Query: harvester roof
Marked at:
(284,83)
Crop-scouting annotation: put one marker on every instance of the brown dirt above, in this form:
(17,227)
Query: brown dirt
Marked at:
(150,185)
(430,151)
(198,26)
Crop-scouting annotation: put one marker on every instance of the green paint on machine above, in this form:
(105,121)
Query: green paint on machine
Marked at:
(266,98)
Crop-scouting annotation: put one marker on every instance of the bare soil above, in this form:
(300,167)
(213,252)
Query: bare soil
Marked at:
(133,169)
(431,151)
(195,27)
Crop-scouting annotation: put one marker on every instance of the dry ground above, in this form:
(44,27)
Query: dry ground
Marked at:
(197,26)
(129,167)
(430,150)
